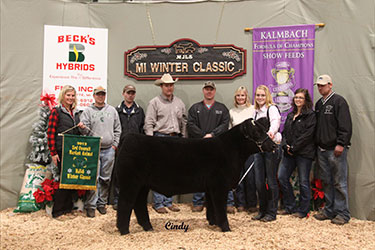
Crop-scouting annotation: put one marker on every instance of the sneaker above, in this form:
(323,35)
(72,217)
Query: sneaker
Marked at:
(338,220)
(90,212)
(321,216)
(230,210)
(258,216)
(115,206)
(268,218)
(161,210)
(298,215)
(252,209)
(174,208)
(284,212)
(240,209)
(197,209)
(102,210)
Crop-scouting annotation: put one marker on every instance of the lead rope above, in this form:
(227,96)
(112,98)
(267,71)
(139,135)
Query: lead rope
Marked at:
(243,177)
(74,128)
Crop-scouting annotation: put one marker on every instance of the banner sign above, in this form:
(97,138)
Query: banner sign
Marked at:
(283,60)
(80,158)
(75,56)
(186,59)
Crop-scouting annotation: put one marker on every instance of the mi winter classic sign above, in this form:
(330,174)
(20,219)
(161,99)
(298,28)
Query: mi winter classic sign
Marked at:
(186,59)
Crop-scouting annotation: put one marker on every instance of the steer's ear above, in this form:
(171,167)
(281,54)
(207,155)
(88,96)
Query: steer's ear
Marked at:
(263,123)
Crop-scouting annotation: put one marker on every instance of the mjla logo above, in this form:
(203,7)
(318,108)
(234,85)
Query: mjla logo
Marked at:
(76,52)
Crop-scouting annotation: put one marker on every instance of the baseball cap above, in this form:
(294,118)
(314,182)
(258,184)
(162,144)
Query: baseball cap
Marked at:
(99,89)
(128,88)
(323,80)
(209,84)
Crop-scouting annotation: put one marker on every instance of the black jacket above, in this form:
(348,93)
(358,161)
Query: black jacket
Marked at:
(334,124)
(65,122)
(202,121)
(299,134)
(131,123)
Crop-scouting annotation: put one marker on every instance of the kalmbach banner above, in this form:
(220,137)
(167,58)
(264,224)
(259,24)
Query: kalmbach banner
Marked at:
(75,56)
(79,166)
(283,60)
(186,59)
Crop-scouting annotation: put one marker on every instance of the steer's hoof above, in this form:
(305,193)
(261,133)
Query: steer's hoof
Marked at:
(211,223)
(123,232)
(148,229)
(225,229)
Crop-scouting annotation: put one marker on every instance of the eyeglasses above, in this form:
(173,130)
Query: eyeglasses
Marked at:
(299,97)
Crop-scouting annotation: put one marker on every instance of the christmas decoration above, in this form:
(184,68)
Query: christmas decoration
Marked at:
(38,139)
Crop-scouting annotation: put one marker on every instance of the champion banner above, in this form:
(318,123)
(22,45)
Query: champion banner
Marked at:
(80,158)
(283,60)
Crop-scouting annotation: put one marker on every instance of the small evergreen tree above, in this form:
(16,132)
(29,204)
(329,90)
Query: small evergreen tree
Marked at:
(39,145)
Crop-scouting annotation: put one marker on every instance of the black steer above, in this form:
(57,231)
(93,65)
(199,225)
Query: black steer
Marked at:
(171,166)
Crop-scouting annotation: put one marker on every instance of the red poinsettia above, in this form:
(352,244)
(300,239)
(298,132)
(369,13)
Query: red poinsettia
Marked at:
(44,196)
(317,189)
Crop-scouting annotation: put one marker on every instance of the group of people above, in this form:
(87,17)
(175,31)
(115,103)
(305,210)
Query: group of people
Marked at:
(325,132)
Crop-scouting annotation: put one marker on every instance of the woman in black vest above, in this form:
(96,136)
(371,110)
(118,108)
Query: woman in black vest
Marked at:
(299,151)
(62,117)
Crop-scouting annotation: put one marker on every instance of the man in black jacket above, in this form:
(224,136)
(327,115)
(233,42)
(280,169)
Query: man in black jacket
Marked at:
(207,119)
(132,120)
(333,134)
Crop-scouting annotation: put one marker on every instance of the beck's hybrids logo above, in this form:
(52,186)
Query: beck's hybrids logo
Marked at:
(76,52)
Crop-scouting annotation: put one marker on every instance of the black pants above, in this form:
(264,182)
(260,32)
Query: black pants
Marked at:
(63,198)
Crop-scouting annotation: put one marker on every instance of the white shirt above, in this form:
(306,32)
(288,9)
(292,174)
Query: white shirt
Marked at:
(275,120)
(240,114)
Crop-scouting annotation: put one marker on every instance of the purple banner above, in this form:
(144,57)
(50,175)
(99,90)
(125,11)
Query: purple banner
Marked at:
(283,60)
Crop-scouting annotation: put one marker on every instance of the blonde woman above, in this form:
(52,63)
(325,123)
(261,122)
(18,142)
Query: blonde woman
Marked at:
(246,191)
(62,117)
(266,163)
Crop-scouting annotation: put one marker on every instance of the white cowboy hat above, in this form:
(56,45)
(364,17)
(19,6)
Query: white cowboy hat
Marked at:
(166,78)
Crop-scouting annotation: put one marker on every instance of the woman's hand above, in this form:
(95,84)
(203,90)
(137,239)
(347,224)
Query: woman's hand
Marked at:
(271,135)
(55,159)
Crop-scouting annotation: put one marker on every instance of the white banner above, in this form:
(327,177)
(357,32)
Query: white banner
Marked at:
(75,56)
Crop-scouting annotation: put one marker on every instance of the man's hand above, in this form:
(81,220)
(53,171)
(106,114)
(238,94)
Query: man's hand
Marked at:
(81,125)
(208,136)
(338,150)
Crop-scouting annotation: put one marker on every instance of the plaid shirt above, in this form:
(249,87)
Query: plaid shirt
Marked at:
(51,132)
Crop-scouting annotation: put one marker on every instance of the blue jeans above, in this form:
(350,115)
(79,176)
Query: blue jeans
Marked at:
(334,174)
(246,191)
(160,200)
(99,197)
(265,166)
(303,165)
(198,199)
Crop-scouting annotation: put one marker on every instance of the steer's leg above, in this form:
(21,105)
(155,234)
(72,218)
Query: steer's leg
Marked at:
(126,201)
(141,211)
(219,195)
(210,213)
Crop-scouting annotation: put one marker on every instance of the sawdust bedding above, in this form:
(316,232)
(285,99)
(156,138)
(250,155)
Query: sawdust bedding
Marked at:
(75,231)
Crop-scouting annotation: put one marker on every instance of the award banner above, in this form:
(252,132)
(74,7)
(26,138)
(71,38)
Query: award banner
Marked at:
(79,165)
(75,56)
(283,60)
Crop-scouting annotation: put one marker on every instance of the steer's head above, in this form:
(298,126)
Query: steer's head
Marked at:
(256,132)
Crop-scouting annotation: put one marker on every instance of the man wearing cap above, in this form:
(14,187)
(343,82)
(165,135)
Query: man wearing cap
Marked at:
(101,119)
(132,120)
(333,134)
(206,119)
(165,116)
